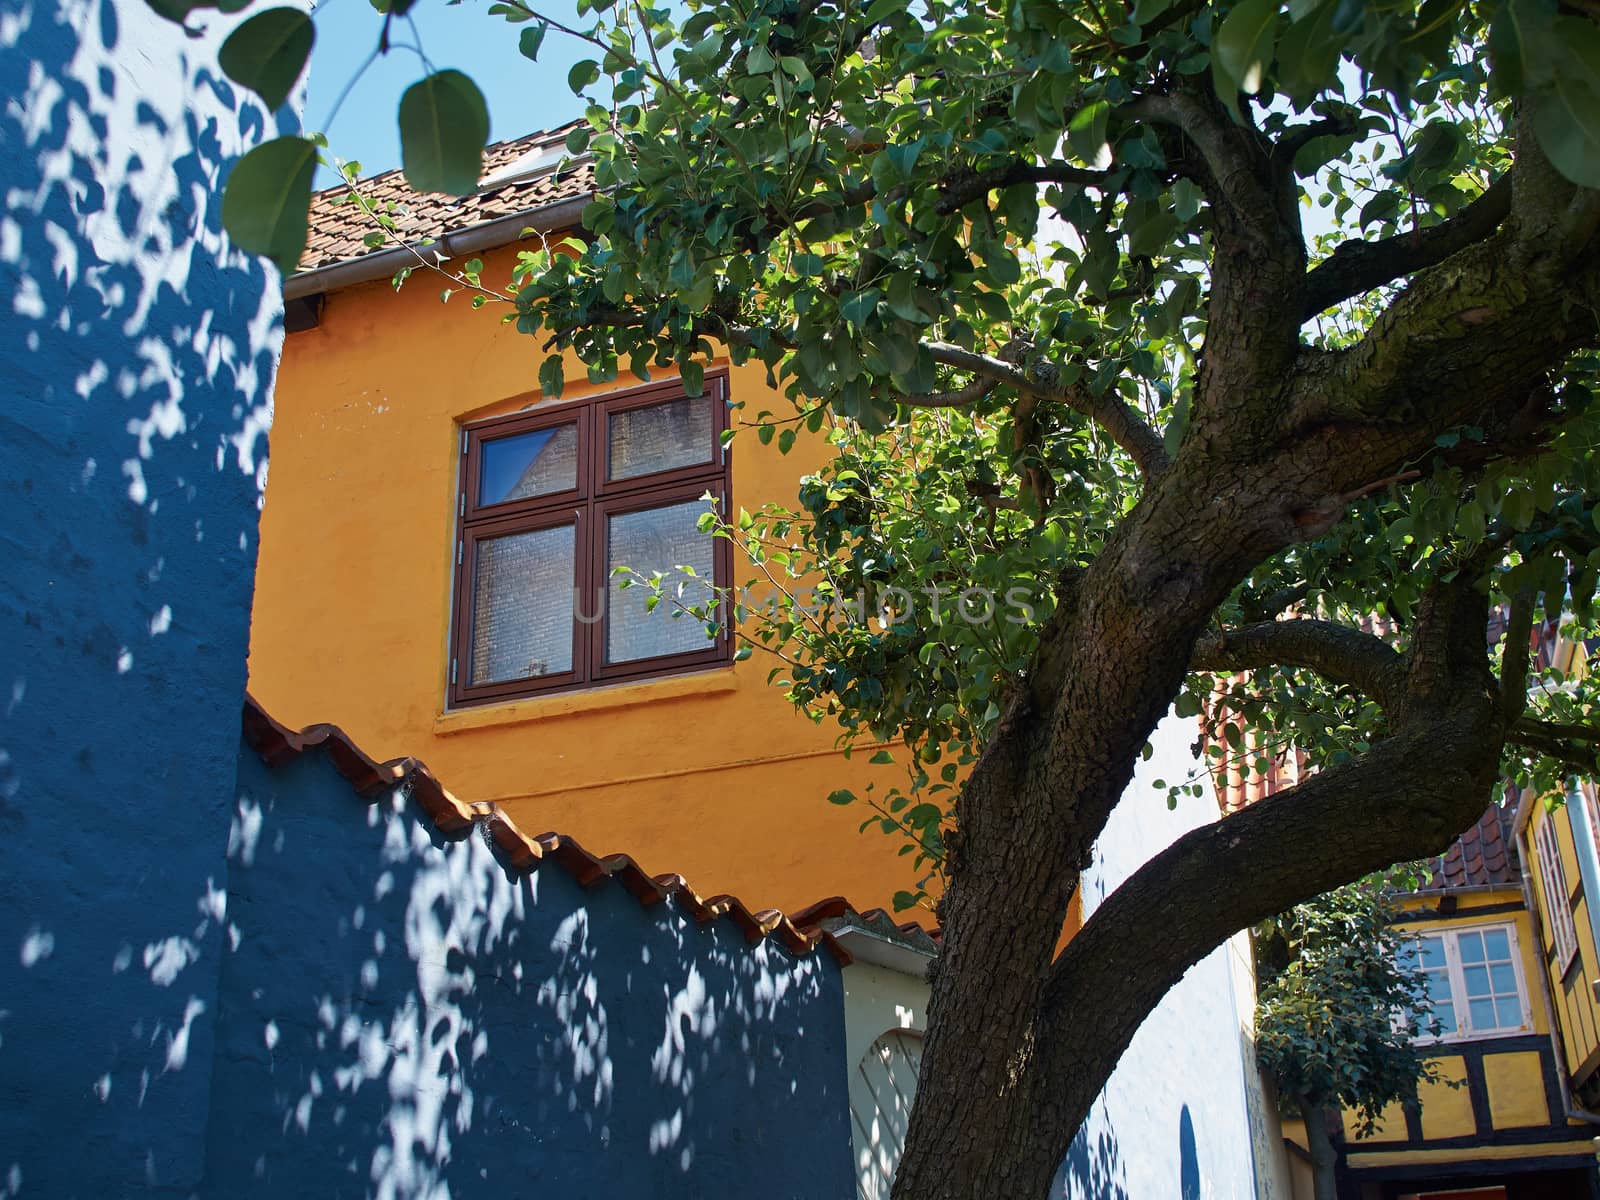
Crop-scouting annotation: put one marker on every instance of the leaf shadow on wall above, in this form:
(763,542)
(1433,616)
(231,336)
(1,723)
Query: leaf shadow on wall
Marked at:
(1093,1167)
(134,401)
(404,1016)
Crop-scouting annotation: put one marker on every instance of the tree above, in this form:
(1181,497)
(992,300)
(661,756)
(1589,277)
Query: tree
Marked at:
(1216,327)
(1339,1003)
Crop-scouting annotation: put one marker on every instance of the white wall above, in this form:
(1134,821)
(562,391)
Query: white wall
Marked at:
(1191,1066)
(878,1000)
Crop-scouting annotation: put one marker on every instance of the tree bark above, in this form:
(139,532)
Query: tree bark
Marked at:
(1324,1155)
(1281,440)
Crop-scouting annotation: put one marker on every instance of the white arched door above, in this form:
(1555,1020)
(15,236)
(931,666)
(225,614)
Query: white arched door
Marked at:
(881,1092)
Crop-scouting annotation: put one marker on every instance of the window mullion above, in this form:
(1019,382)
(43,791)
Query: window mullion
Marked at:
(1523,1002)
(1460,1002)
(590,600)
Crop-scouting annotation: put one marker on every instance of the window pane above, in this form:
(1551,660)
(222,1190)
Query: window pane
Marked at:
(657,539)
(1483,1015)
(660,437)
(1505,978)
(1438,983)
(1477,980)
(528,464)
(522,606)
(1445,1014)
(1497,944)
(1432,950)
(1471,947)
(1509,1010)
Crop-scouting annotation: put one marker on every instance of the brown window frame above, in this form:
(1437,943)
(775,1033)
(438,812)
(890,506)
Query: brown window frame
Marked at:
(585,506)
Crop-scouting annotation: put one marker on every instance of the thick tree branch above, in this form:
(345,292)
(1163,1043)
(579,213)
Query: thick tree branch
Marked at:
(1235,165)
(1406,798)
(1121,423)
(1515,656)
(1575,746)
(962,397)
(1471,342)
(1268,607)
(1339,653)
(1359,266)
(1296,137)
(961,188)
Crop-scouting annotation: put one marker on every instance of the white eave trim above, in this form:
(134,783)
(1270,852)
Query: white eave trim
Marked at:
(863,945)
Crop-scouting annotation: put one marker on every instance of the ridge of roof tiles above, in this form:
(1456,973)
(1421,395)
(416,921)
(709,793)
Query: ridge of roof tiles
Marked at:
(836,913)
(278,744)
(1483,856)
(336,226)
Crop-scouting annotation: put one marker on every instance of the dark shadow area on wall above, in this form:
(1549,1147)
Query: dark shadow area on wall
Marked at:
(1189,1187)
(404,1016)
(1093,1167)
(135,370)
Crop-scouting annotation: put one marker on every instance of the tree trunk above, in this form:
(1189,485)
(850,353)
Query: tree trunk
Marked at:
(1026,825)
(1281,440)
(1324,1154)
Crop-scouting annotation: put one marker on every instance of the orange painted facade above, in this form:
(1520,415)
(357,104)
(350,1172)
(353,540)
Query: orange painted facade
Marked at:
(712,775)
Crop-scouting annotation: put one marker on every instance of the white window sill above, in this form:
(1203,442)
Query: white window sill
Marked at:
(1451,1039)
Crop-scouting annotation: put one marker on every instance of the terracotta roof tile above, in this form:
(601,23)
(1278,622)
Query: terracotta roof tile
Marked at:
(837,913)
(1483,856)
(278,744)
(338,226)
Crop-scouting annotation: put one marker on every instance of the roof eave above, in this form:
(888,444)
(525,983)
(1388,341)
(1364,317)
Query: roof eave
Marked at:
(870,946)
(383,264)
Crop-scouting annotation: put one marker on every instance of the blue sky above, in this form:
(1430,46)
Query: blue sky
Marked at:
(522,95)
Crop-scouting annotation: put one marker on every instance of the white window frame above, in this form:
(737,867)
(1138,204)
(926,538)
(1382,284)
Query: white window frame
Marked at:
(1459,998)
(1553,886)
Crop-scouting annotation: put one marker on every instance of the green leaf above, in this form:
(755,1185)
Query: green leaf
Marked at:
(1145,11)
(842,796)
(268,195)
(444,126)
(1086,134)
(1320,151)
(551,376)
(1186,198)
(584,72)
(1516,42)
(1308,56)
(532,38)
(179,10)
(856,307)
(1382,207)
(1243,46)
(267,53)
(1567,116)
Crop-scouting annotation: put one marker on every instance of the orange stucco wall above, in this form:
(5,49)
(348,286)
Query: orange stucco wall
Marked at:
(711,775)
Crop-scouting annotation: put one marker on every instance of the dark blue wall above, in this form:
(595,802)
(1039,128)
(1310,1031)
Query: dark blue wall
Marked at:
(134,369)
(403,1016)
(223,981)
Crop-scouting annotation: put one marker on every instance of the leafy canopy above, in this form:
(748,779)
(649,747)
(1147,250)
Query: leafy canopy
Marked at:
(1341,999)
(969,242)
